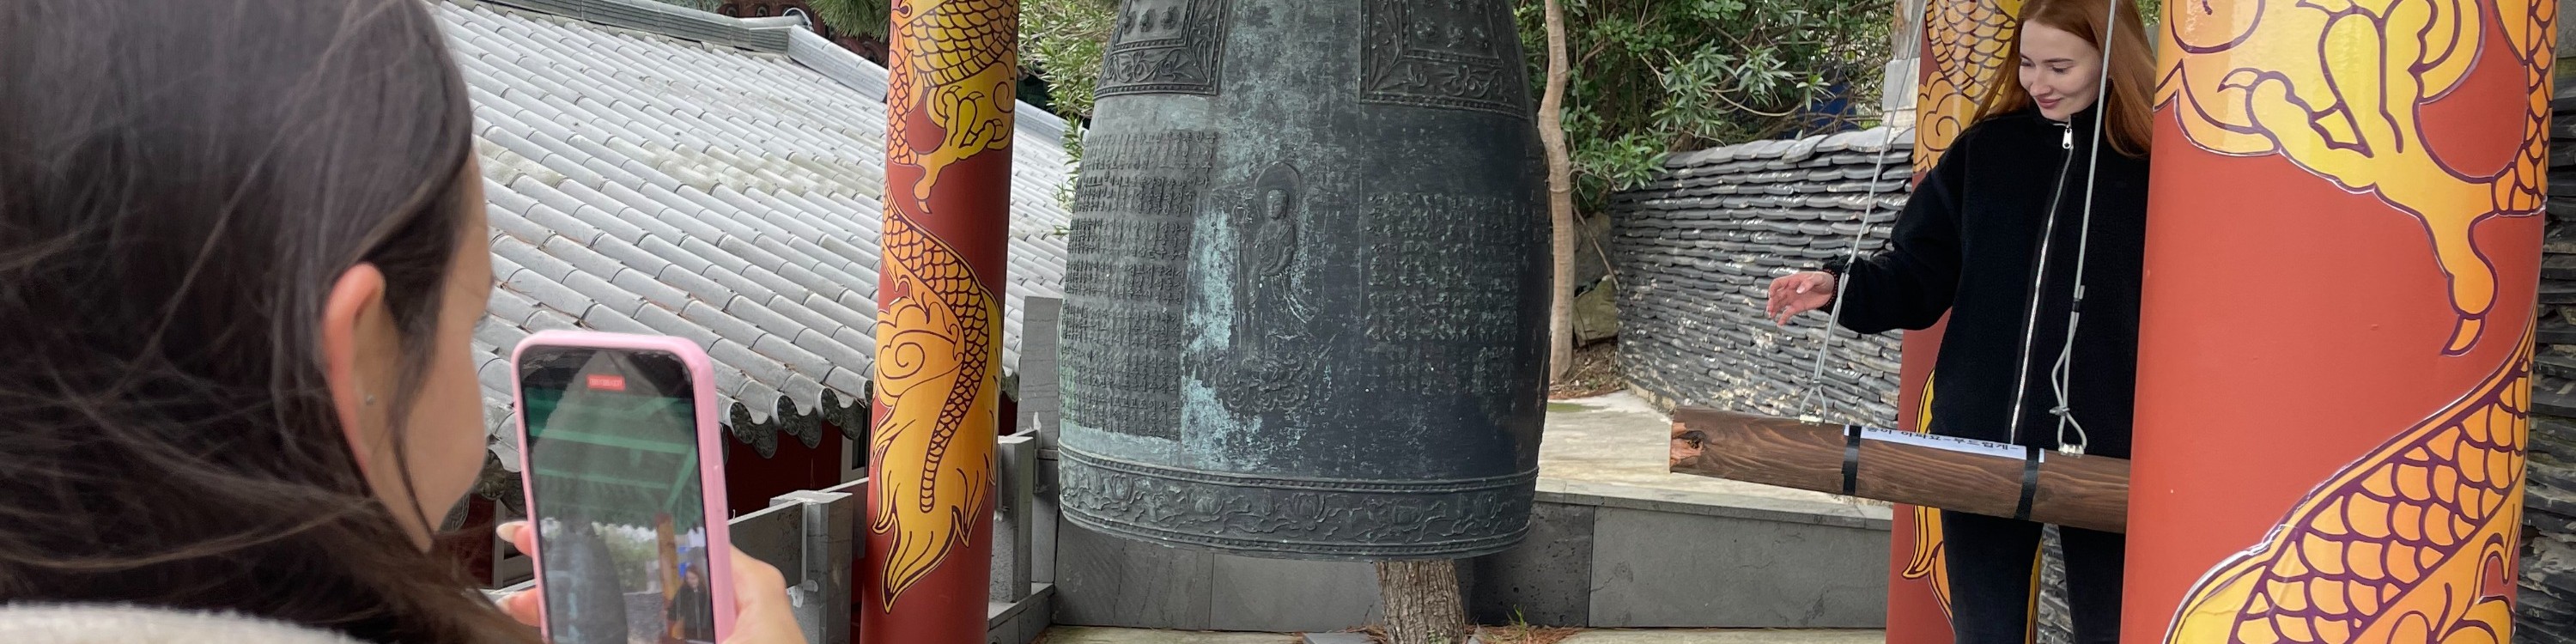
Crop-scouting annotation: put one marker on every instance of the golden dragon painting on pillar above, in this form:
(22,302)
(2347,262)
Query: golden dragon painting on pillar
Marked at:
(939,325)
(2252,78)
(968,91)
(2415,540)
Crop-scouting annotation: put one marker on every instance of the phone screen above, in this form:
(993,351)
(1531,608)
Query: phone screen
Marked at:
(613,485)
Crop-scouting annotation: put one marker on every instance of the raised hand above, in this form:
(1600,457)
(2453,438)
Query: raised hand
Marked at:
(1798,293)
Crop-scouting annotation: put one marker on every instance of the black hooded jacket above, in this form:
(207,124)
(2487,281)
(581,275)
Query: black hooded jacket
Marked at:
(1968,243)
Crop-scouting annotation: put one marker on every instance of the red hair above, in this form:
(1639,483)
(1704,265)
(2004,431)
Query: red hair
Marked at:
(2131,69)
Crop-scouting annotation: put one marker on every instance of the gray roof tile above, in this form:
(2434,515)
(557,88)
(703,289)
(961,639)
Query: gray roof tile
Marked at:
(763,313)
(736,283)
(833,351)
(560,204)
(751,255)
(494,374)
(605,295)
(786,351)
(529,258)
(581,256)
(713,317)
(703,247)
(811,280)
(502,267)
(669,250)
(857,302)
(758,367)
(848,379)
(660,294)
(799,387)
(627,254)
(515,225)
(667,322)
(554,298)
(695,284)
(860,319)
(770,282)
(765,409)
(549,320)
(496,333)
(604,319)
(805,318)
(609,173)
(856,336)
(644,183)
(509,305)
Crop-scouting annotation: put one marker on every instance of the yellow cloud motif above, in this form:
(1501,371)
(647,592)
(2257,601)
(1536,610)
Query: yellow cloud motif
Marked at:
(2413,542)
(2253,77)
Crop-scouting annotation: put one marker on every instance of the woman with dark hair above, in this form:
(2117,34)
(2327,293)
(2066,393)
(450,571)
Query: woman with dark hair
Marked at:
(1993,238)
(242,254)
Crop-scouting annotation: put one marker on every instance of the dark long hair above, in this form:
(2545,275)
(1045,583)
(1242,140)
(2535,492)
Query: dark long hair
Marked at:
(181,182)
(2132,70)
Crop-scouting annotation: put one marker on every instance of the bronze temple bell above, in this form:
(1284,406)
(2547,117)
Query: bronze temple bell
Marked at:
(1306,307)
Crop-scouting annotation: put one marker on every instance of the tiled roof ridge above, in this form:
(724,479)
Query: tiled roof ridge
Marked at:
(642,182)
(664,19)
(1872,141)
(773,35)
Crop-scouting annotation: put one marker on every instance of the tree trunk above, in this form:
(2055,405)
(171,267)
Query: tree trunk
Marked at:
(1560,200)
(1422,602)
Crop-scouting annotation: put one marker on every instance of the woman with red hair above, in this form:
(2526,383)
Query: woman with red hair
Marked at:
(2036,212)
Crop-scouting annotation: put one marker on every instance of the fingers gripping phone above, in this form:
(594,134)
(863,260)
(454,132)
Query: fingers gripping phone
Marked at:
(625,488)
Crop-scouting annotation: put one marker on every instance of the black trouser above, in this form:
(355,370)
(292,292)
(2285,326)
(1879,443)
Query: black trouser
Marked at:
(1992,585)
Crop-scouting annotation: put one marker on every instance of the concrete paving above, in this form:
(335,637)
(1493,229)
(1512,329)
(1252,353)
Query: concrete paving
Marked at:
(1619,439)
(1729,636)
(1083,635)
(1089,635)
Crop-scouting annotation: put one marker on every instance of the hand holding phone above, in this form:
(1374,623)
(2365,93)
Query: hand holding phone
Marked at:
(761,612)
(624,479)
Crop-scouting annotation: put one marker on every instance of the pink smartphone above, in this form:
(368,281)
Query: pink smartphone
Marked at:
(625,486)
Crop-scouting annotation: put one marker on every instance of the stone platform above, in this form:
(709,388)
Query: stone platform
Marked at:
(1615,542)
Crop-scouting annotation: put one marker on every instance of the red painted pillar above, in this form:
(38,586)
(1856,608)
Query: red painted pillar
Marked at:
(938,366)
(2335,348)
(1962,57)
(1918,588)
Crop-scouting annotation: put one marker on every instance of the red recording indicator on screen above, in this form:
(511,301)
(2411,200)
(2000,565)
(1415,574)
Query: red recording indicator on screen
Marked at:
(607,382)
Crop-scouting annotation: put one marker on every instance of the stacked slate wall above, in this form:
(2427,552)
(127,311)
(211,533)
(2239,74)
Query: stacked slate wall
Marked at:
(1697,249)
(2547,614)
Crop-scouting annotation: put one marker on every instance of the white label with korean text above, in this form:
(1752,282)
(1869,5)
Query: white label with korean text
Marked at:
(1944,443)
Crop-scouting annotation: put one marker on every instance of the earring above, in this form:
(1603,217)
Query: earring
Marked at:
(371,400)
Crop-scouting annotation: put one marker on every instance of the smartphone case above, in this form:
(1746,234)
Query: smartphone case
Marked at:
(710,455)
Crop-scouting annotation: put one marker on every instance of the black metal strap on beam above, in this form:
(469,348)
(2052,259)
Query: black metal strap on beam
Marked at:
(2029,481)
(1851,459)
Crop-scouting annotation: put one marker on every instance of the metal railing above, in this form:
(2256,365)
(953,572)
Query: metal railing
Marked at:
(816,539)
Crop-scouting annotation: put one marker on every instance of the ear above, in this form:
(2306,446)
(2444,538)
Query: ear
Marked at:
(358,351)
